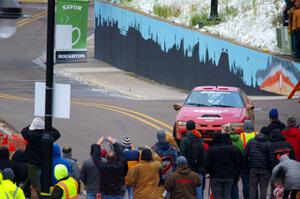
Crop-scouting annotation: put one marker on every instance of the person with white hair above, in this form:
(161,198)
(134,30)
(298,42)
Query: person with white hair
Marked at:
(33,152)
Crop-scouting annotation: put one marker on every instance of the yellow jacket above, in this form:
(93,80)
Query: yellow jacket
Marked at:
(144,177)
(9,190)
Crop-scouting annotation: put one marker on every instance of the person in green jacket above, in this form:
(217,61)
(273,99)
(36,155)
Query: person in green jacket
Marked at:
(234,137)
(8,189)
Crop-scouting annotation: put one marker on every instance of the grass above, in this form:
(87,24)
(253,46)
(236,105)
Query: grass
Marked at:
(203,17)
(165,11)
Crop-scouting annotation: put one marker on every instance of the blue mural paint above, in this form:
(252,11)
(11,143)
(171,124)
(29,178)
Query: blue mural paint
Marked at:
(167,35)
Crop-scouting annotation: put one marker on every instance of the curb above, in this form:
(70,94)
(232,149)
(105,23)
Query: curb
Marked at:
(33,1)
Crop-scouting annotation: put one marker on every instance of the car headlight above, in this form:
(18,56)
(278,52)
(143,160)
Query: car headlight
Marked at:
(181,123)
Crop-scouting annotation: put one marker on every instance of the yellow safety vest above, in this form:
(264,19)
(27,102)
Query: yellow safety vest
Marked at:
(245,137)
(70,188)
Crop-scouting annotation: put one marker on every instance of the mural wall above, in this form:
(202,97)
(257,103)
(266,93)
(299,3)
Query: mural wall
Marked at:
(183,58)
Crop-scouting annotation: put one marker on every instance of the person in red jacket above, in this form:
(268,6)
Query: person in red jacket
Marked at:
(292,135)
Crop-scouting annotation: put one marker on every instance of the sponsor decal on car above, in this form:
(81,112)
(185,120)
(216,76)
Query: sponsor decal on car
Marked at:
(210,111)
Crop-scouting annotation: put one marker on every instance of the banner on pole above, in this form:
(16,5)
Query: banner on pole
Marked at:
(71,31)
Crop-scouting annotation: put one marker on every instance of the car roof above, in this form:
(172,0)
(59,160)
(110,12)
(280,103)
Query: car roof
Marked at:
(216,88)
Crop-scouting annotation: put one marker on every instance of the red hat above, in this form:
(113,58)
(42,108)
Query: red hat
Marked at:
(103,153)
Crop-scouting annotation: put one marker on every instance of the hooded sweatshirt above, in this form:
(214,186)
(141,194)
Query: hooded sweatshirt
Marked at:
(33,151)
(257,152)
(61,174)
(290,170)
(182,183)
(57,159)
(5,162)
(11,189)
(279,146)
(226,166)
(292,136)
(236,140)
(21,168)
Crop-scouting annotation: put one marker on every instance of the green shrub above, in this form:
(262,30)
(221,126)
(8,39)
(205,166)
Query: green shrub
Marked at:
(203,18)
(165,11)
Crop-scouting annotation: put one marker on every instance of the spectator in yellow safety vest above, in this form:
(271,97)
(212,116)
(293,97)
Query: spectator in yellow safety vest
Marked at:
(248,132)
(66,187)
(8,188)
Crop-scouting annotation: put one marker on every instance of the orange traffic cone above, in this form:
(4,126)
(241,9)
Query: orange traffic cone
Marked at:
(211,196)
(11,147)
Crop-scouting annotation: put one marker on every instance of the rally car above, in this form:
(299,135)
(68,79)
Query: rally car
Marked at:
(211,107)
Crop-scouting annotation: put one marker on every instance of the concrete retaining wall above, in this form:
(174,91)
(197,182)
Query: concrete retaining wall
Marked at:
(184,58)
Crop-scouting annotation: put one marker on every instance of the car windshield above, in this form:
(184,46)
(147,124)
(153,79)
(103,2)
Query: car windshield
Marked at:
(214,99)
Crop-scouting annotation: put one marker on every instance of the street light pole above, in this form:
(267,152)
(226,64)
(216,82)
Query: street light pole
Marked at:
(47,140)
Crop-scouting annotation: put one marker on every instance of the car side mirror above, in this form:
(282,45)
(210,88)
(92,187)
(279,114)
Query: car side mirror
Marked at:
(250,107)
(177,107)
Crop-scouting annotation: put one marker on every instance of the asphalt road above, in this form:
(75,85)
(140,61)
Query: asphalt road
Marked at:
(93,113)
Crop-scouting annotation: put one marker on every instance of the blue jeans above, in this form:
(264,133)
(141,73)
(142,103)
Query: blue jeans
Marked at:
(111,197)
(235,190)
(129,192)
(91,195)
(221,188)
(199,190)
(245,181)
(295,43)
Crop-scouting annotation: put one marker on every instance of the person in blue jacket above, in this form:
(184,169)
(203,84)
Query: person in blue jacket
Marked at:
(57,159)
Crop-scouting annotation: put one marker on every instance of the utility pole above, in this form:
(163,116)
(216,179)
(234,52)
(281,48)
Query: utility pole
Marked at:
(214,9)
(47,140)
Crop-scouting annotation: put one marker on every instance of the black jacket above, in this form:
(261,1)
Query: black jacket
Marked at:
(223,160)
(279,146)
(112,174)
(21,168)
(276,124)
(5,162)
(33,151)
(191,146)
(257,152)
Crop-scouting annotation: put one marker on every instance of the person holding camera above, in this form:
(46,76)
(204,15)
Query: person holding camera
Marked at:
(113,171)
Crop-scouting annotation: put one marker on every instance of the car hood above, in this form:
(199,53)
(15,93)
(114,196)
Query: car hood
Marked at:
(204,115)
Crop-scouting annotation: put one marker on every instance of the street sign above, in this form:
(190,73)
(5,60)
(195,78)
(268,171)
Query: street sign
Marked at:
(71,31)
(61,100)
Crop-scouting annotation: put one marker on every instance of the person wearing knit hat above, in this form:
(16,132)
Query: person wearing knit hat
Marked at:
(183,182)
(291,122)
(131,156)
(167,152)
(37,124)
(292,135)
(181,161)
(33,134)
(275,123)
(127,143)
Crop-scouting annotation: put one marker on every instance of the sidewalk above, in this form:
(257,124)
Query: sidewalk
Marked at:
(100,75)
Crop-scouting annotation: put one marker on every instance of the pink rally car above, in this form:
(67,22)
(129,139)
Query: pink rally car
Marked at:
(211,107)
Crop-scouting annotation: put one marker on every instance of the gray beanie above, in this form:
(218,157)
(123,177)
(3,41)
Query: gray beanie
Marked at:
(8,174)
(181,160)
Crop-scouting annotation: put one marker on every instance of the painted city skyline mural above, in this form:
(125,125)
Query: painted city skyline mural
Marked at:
(183,58)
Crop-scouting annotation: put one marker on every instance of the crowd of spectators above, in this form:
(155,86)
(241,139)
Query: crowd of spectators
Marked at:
(268,158)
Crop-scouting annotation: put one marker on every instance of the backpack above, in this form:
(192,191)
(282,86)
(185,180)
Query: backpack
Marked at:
(167,168)
(196,153)
(166,161)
